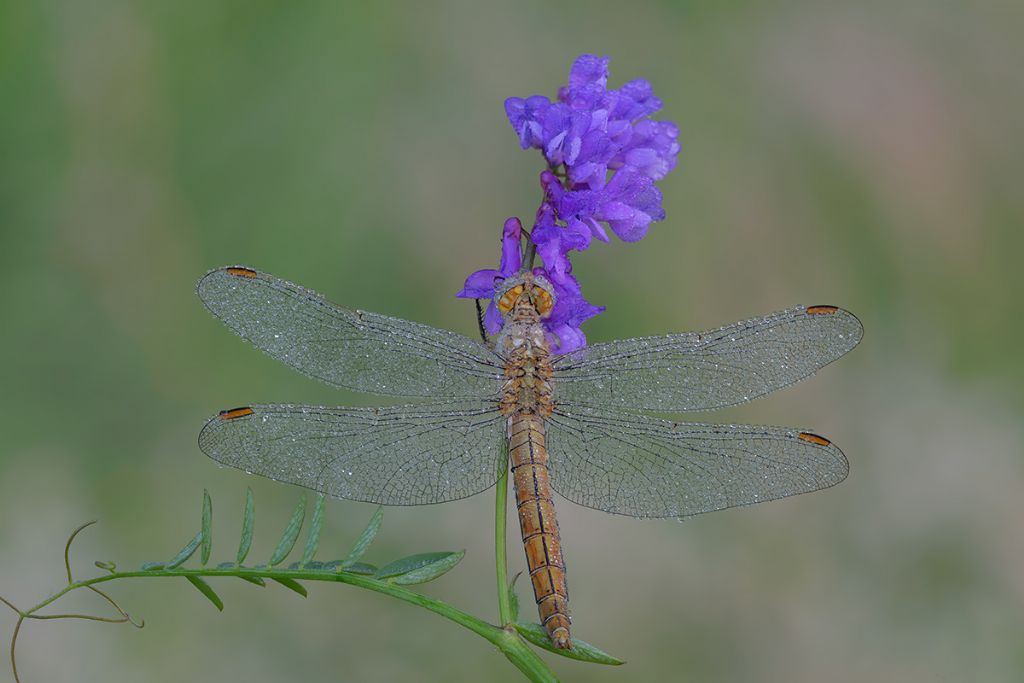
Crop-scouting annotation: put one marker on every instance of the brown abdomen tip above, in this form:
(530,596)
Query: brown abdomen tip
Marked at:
(821,310)
(235,413)
(239,271)
(560,639)
(814,438)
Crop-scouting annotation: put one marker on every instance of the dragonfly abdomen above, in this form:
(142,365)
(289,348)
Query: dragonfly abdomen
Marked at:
(529,458)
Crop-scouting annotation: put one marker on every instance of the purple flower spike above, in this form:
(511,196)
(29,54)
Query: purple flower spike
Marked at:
(603,155)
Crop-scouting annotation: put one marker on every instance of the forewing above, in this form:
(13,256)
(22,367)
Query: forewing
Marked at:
(402,455)
(348,348)
(707,370)
(645,467)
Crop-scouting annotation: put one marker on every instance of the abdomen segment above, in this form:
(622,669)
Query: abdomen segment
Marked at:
(529,459)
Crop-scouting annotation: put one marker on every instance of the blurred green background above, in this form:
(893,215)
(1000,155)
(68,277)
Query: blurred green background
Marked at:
(866,155)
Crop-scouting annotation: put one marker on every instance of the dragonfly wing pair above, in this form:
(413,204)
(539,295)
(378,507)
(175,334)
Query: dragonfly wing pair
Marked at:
(402,455)
(629,464)
(602,455)
(708,370)
(348,348)
(645,467)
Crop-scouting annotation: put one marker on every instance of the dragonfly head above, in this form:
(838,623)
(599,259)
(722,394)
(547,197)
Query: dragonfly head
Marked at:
(525,290)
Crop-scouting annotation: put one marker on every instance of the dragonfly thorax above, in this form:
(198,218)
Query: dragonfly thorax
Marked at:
(528,371)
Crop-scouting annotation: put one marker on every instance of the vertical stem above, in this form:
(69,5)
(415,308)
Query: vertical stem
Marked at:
(528,256)
(500,543)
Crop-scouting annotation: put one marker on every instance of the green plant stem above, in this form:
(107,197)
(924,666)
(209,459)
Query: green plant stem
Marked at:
(528,256)
(506,640)
(525,659)
(505,615)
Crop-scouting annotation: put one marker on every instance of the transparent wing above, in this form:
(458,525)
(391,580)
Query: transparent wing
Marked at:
(348,348)
(644,467)
(402,455)
(707,370)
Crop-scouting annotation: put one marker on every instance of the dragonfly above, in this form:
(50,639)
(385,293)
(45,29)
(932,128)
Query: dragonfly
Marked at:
(578,424)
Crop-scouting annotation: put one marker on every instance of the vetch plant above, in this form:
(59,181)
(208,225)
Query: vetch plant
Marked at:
(392,578)
(533,397)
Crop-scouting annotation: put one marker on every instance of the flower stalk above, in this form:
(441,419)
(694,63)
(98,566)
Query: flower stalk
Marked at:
(505,616)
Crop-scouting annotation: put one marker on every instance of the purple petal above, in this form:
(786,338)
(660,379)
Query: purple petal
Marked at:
(616,211)
(565,338)
(588,81)
(480,285)
(526,117)
(632,229)
(590,175)
(596,230)
(511,252)
(629,203)
(577,235)
(588,69)
(555,258)
(570,306)
(492,319)
(554,242)
(553,148)
(635,100)
(546,235)
(552,186)
(576,204)
(652,149)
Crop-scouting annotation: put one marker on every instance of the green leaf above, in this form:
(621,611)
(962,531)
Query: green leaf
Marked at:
(207,531)
(254,579)
(431,571)
(291,533)
(410,563)
(365,538)
(359,568)
(513,597)
(293,585)
(313,538)
(185,552)
(152,566)
(205,589)
(247,523)
(581,650)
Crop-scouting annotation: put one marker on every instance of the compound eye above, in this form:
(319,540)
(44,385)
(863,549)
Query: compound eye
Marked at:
(509,298)
(543,301)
